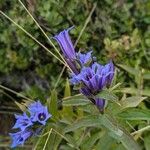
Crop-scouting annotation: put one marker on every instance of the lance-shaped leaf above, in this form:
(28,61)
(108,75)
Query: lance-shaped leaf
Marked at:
(132,101)
(67,111)
(129,69)
(119,133)
(110,124)
(52,103)
(76,100)
(89,121)
(108,95)
(89,142)
(135,114)
(145,92)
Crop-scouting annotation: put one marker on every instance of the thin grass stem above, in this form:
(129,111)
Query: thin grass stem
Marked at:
(59,77)
(85,24)
(141,130)
(42,31)
(31,36)
(48,133)
(14,92)
(47,139)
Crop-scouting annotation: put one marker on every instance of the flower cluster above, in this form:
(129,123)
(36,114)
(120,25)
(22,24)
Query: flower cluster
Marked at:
(91,76)
(29,125)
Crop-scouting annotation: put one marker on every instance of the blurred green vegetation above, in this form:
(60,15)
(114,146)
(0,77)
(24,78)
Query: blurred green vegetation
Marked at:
(117,30)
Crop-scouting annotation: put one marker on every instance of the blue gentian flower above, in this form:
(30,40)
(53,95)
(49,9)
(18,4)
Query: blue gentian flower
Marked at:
(30,125)
(22,121)
(74,60)
(32,108)
(85,91)
(39,113)
(20,137)
(66,45)
(110,70)
(89,76)
(95,78)
(100,103)
(84,58)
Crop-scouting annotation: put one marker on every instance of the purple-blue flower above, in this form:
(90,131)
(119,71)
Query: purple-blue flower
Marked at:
(100,103)
(89,76)
(20,137)
(22,121)
(29,125)
(74,60)
(84,59)
(95,78)
(39,113)
(65,43)
(110,70)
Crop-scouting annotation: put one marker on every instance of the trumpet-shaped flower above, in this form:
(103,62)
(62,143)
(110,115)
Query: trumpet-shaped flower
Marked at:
(22,121)
(30,125)
(39,113)
(109,69)
(84,59)
(94,78)
(100,103)
(20,137)
(65,43)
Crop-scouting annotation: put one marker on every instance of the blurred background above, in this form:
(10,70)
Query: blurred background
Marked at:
(113,29)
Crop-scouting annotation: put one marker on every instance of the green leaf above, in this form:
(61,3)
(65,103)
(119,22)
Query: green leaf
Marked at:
(92,120)
(120,147)
(129,69)
(135,114)
(108,122)
(147,142)
(105,143)
(52,103)
(67,89)
(71,140)
(89,109)
(107,95)
(76,100)
(119,133)
(145,92)
(115,86)
(89,142)
(67,112)
(146,76)
(132,101)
